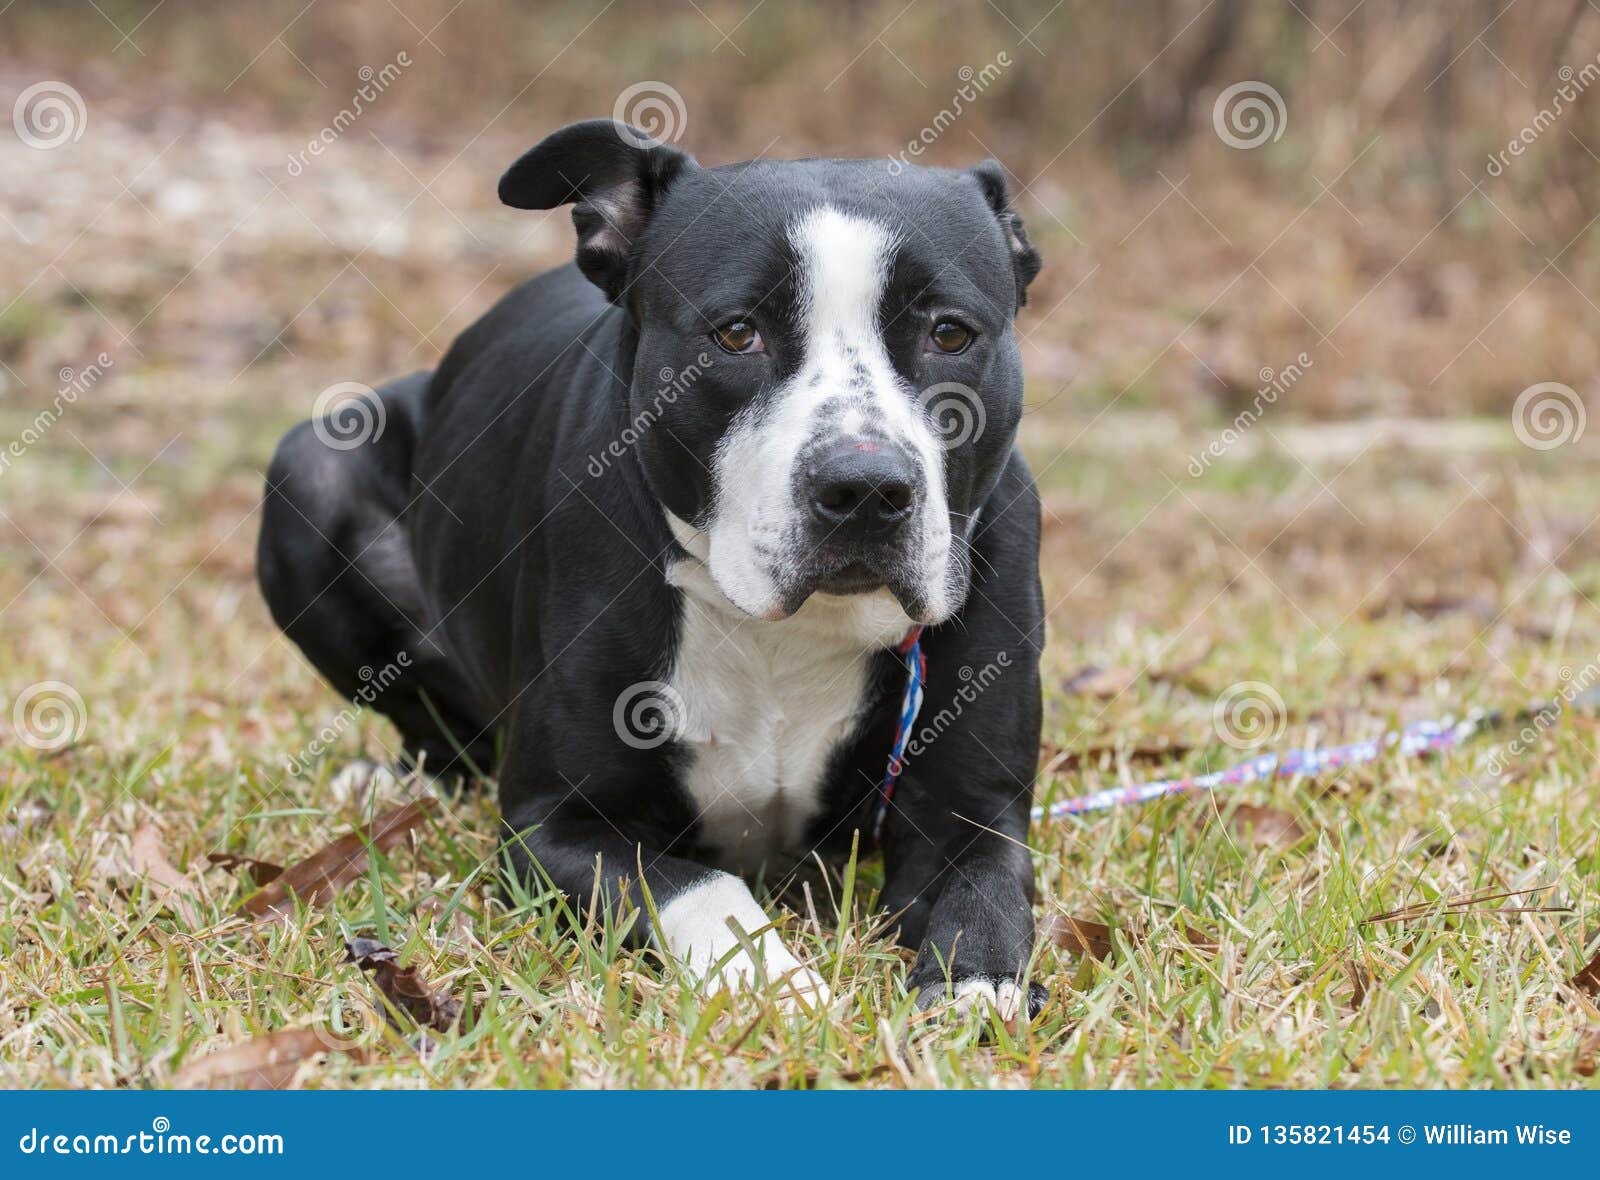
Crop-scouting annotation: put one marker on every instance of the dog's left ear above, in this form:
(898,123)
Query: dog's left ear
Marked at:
(615,173)
(991,179)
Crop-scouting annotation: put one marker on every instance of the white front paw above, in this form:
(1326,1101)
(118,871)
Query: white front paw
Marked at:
(699,928)
(795,985)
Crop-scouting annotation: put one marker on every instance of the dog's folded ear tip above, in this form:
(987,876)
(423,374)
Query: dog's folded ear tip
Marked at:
(596,154)
(991,177)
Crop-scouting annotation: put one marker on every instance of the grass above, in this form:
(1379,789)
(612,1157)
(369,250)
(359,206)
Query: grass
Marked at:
(1371,567)
(1235,961)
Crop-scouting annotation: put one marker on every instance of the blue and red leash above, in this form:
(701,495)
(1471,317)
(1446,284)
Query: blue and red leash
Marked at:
(1417,740)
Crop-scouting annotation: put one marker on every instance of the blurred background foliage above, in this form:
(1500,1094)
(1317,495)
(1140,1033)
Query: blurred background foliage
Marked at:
(1371,233)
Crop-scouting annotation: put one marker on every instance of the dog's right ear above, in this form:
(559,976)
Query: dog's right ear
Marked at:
(616,174)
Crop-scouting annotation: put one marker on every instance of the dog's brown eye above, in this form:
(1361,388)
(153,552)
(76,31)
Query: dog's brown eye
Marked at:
(738,336)
(949,336)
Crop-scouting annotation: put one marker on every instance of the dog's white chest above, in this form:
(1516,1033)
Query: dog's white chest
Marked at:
(764,706)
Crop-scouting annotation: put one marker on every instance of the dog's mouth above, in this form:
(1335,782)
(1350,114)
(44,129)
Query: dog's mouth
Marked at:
(858,572)
(854,577)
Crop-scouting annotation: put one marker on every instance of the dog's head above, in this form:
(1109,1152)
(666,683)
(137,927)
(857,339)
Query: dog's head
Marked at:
(826,385)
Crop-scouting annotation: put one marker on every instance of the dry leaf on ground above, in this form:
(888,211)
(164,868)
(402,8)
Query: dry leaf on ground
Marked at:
(403,987)
(267,1062)
(1078,935)
(1588,979)
(1265,827)
(263,872)
(315,880)
(175,890)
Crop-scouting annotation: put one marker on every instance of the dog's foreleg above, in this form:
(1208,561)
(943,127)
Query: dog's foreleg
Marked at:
(706,920)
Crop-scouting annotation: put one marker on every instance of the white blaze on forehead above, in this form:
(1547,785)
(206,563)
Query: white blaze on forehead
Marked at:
(756,530)
(844,264)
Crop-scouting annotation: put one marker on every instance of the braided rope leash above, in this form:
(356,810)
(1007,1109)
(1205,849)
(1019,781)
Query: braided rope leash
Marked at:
(1418,740)
(910,651)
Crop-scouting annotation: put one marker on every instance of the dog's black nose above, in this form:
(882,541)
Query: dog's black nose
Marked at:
(863,491)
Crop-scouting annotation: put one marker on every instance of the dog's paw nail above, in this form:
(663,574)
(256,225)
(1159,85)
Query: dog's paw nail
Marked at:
(1009,1001)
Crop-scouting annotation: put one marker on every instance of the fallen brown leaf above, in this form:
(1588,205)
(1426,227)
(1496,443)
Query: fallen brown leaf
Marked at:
(315,880)
(175,890)
(1588,979)
(261,871)
(403,987)
(1078,935)
(1265,827)
(1200,941)
(267,1062)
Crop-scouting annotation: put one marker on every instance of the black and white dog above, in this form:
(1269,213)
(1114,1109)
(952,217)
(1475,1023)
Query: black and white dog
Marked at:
(655,538)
